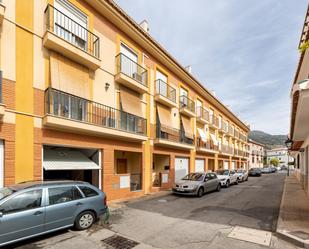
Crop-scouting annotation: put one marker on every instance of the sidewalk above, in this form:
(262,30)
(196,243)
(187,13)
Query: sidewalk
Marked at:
(293,220)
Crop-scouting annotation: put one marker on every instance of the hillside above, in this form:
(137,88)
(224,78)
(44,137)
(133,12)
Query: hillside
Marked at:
(270,141)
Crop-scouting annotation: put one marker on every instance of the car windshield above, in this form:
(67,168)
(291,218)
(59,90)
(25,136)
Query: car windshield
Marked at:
(222,172)
(4,192)
(194,177)
(240,171)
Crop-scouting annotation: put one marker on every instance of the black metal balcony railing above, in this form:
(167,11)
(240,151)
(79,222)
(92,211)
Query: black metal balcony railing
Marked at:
(187,103)
(202,113)
(236,134)
(64,105)
(131,69)
(71,31)
(214,120)
(172,135)
(1,86)
(162,88)
(209,145)
(231,131)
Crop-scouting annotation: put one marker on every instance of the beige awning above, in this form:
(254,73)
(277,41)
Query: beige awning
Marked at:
(130,101)
(214,139)
(165,119)
(187,127)
(68,76)
(202,134)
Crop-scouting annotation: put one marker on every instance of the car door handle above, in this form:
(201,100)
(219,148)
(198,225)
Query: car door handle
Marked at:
(38,213)
(79,204)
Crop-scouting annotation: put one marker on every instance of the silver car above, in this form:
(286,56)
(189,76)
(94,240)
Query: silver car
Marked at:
(197,184)
(34,208)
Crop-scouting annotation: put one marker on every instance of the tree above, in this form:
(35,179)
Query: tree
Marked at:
(274,161)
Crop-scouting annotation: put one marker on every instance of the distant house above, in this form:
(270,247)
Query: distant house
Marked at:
(256,154)
(281,154)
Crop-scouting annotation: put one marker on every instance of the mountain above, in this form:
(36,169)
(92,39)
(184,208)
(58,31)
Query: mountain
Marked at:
(270,141)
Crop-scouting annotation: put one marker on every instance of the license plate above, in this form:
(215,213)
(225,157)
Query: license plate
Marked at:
(181,190)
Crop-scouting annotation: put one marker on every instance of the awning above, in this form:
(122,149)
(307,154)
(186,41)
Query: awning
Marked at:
(130,101)
(214,139)
(68,76)
(202,134)
(55,159)
(165,119)
(187,127)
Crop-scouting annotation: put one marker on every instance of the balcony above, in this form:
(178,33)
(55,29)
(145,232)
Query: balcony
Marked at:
(65,111)
(223,127)
(187,106)
(207,146)
(2,106)
(230,132)
(225,149)
(131,74)
(214,121)
(2,11)
(236,134)
(202,115)
(170,137)
(70,39)
(165,94)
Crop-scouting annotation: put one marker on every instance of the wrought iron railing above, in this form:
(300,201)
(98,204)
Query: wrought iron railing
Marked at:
(172,134)
(231,131)
(236,134)
(214,120)
(224,148)
(131,69)
(202,113)
(162,88)
(66,28)
(65,105)
(209,144)
(187,103)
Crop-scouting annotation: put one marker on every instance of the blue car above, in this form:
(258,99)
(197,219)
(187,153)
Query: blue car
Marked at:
(34,208)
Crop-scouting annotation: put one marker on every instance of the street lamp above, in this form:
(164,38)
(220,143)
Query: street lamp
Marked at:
(289,144)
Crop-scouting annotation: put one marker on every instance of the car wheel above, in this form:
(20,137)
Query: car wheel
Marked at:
(218,187)
(247,178)
(84,220)
(236,183)
(227,184)
(200,192)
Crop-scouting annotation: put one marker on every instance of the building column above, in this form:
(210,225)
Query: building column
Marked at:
(147,149)
(216,161)
(192,161)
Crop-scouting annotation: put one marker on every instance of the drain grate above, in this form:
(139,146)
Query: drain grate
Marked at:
(119,242)
(300,234)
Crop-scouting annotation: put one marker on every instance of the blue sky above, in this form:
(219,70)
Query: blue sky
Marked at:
(246,51)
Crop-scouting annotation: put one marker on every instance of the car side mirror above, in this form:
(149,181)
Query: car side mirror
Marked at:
(1,214)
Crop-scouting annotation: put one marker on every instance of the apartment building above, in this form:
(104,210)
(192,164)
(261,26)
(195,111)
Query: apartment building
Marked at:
(299,126)
(87,94)
(256,154)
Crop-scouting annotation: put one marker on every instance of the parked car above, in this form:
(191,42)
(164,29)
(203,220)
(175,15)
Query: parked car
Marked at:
(283,167)
(197,184)
(227,177)
(266,170)
(255,172)
(242,175)
(34,208)
(273,169)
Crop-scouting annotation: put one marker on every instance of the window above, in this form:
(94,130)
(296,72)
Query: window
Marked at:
(63,194)
(88,192)
(22,202)
(129,62)
(70,24)
(161,83)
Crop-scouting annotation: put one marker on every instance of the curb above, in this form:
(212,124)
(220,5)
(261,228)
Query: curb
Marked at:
(283,234)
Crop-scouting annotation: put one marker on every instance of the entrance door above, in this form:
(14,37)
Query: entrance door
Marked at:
(226,165)
(199,165)
(181,167)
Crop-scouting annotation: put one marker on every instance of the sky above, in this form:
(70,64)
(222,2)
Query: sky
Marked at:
(244,50)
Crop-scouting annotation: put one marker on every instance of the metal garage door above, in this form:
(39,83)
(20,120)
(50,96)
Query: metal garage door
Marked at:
(1,164)
(199,165)
(226,165)
(181,167)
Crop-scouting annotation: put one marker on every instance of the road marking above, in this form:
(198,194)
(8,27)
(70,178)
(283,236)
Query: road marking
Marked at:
(162,200)
(251,235)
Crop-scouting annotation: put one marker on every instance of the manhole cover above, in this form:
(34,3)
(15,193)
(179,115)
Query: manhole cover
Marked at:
(119,242)
(300,234)
(251,235)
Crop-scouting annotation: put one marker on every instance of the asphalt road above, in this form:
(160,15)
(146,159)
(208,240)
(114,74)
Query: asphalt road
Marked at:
(254,203)
(170,221)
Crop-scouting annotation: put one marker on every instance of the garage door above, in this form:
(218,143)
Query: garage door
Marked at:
(233,165)
(199,165)
(1,164)
(226,165)
(181,167)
